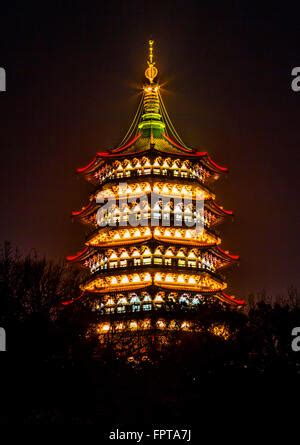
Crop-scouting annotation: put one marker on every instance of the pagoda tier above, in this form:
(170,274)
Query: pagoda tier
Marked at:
(179,203)
(153,159)
(154,254)
(157,299)
(153,245)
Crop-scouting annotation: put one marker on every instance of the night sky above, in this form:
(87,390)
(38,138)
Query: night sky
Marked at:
(74,74)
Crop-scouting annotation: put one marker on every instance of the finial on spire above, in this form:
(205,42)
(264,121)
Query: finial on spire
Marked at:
(151,42)
(151,72)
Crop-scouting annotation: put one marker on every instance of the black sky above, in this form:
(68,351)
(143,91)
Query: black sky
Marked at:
(74,70)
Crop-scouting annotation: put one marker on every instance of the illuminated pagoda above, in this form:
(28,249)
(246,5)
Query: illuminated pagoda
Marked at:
(148,261)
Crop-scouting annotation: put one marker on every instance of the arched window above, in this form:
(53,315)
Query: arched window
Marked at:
(122,301)
(146,298)
(184,300)
(195,301)
(157,210)
(135,300)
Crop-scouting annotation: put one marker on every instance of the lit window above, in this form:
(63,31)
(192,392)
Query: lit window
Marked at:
(157,260)
(168,261)
(113,264)
(133,325)
(158,299)
(136,308)
(147,307)
(160,324)
(110,302)
(135,300)
(137,262)
(147,260)
(191,263)
(181,263)
(109,310)
(183,300)
(123,263)
(147,298)
(121,309)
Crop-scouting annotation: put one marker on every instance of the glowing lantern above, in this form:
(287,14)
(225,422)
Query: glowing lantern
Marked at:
(133,325)
(105,327)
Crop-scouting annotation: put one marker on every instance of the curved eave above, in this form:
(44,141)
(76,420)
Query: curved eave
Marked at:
(89,168)
(72,300)
(131,142)
(85,211)
(151,179)
(224,254)
(143,285)
(127,242)
(121,288)
(80,256)
(230,299)
(155,242)
(118,153)
(119,243)
(186,242)
(212,165)
(218,209)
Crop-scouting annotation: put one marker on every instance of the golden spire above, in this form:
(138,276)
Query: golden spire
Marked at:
(151,72)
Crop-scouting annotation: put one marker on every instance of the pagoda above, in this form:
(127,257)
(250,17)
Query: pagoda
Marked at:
(149,262)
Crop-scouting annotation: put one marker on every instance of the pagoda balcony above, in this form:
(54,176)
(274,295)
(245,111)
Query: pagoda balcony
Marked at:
(157,222)
(154,303)
(140,166)
(156,172)
(136,310)
(166,265)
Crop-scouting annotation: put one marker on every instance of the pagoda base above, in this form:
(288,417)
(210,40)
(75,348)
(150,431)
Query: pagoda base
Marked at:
(147,337)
